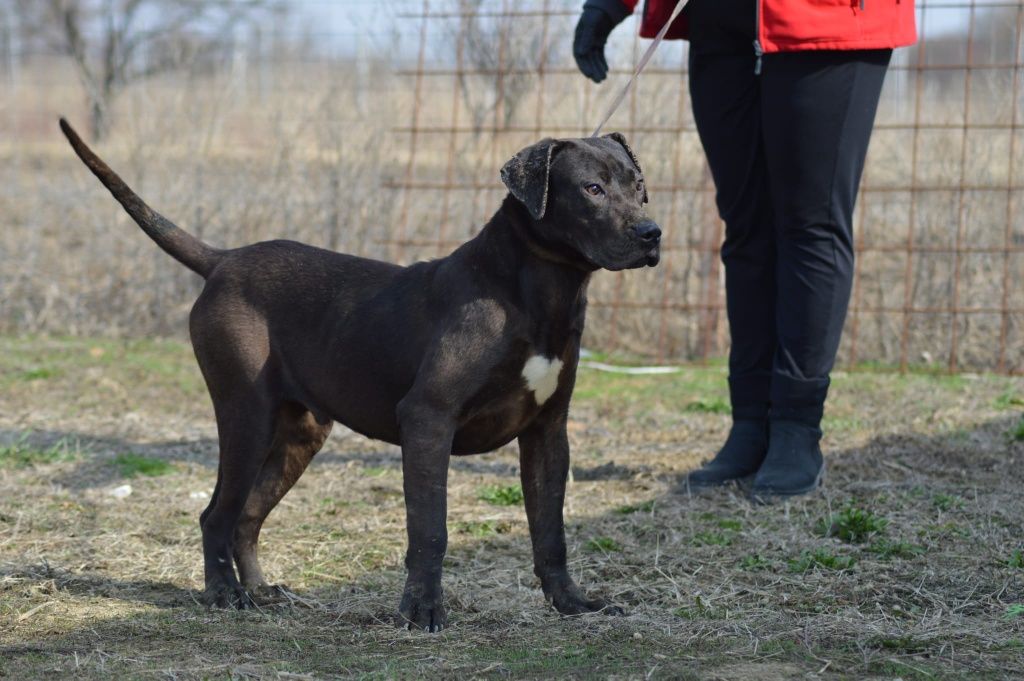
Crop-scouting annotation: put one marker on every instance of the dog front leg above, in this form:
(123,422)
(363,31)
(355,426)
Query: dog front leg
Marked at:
(426,434)
(544,468)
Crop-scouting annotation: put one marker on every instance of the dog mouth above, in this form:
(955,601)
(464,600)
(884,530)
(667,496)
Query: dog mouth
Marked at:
(637,256)
(648,259)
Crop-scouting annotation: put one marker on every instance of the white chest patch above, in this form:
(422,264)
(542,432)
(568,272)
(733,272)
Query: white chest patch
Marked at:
(541,376)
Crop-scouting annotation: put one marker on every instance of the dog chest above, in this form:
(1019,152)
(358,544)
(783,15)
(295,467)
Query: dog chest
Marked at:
(508,403)
(541,376)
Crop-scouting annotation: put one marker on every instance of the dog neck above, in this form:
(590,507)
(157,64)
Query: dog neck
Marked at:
(512,245)
(515,218)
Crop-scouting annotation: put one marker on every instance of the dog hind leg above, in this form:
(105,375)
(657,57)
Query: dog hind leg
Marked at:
(213,501)
(297,438)
(245,432)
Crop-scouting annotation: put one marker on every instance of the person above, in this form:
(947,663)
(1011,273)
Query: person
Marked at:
(784,95)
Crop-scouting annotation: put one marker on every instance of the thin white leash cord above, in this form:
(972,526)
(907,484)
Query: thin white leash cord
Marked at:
(600,366)
(680,5)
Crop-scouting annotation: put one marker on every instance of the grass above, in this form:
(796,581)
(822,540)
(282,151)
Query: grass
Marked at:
(947,502)
(902,644)
(94,587)
(483,528)
(1017,432)
(853,525)
(947,530)
(886,549)
(615,391)
(22,453)
(822,558)
(754,561)
(603,544)
(132,465)
(37,374)
(713,406)
(120,375)
(701,610)
(644,507)
(502,495)
(1009,400)
(712,539)
(1016,559)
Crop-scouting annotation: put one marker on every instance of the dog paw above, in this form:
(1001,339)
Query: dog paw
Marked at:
(227,596)
(271,594)
(426,614)
(572,601)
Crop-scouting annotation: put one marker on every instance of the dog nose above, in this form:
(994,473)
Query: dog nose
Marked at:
(649,232)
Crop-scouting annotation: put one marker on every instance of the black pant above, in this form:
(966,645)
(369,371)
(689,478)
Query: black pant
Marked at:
(786,149)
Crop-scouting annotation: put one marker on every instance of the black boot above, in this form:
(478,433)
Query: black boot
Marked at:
(793,465)
(740,457)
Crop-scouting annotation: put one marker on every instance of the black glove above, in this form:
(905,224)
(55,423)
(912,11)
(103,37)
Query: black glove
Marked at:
(597,21)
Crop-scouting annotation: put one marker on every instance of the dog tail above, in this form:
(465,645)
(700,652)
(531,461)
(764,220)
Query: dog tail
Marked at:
(179,244)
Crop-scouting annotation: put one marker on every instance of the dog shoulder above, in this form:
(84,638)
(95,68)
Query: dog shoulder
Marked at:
(482,317)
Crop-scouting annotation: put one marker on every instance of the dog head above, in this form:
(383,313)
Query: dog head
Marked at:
(586,196)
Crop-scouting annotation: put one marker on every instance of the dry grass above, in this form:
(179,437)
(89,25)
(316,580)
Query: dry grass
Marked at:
(98,586)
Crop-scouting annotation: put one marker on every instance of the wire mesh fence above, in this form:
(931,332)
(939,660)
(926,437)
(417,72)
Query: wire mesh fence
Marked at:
(939,236)
(380,128)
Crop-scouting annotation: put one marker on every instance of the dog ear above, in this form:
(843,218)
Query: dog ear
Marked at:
(618,137)
(526,175)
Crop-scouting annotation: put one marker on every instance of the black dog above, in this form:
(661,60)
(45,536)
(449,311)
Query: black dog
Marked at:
(453,356)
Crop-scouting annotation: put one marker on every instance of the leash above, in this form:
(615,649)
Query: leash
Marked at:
(680,5)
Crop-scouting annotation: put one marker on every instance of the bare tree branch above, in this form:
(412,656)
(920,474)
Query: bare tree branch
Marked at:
(111,48)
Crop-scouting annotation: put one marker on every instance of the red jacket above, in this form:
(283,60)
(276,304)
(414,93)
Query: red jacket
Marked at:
(791,25)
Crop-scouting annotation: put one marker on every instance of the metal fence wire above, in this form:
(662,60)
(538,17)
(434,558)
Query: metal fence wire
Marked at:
(939,234)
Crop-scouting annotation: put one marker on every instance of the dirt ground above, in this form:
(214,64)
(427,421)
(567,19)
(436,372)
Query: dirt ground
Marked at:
(907,565)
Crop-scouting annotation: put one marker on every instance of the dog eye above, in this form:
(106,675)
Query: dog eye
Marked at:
(594,189)
(639,185)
